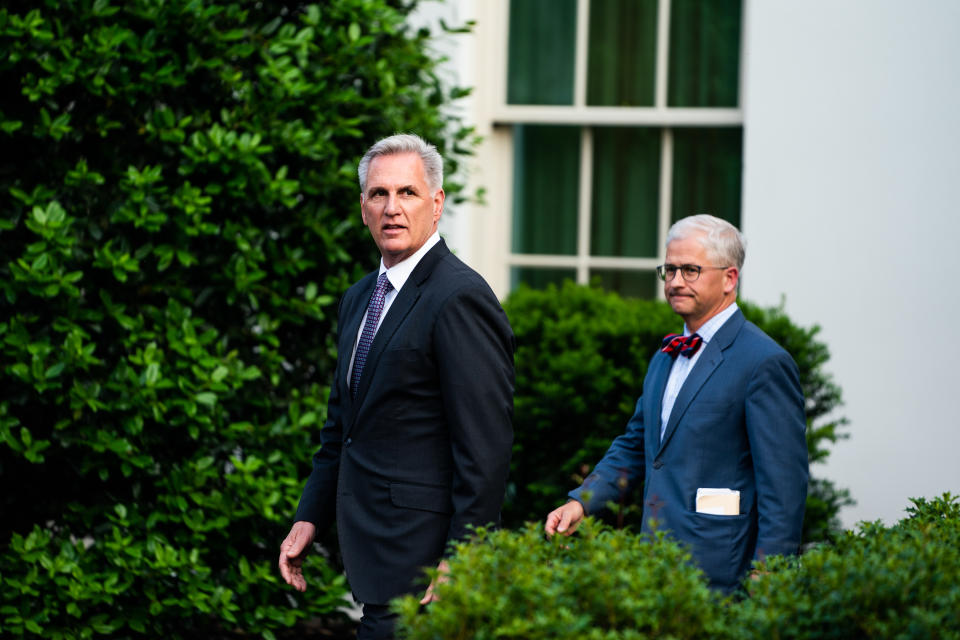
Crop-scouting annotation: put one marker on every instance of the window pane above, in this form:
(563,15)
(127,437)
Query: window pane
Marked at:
(541,47)
(630,284)
(626,190)
(706,173)
(546,189)
(704,53)
(538,277)
(622,52)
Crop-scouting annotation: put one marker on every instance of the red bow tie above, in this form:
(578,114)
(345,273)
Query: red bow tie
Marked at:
(674,343)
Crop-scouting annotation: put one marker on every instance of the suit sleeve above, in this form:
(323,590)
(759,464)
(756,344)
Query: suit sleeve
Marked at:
(622,466)
(776,427)
(318,500)
(474,347)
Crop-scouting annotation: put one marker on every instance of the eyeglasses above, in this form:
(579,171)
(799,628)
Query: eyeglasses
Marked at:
(690,272)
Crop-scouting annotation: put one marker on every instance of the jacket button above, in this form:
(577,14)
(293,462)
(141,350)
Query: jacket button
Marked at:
(657,464)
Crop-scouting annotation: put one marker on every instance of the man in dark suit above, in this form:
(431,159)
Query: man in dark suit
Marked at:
(721,412)
(416,446)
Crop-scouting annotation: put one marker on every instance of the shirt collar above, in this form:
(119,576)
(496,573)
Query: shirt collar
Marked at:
(711,326)
(398,273)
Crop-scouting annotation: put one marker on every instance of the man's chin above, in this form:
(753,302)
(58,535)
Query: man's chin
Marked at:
(393,246)
(680,306)
(395,252)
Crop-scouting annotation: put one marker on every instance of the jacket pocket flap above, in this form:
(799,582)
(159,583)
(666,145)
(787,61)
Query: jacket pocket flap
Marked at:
(421,496)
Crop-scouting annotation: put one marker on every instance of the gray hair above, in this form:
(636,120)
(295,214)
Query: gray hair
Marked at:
(722,240)
(405,143)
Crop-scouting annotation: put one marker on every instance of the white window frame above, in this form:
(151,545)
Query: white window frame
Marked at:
(504,116)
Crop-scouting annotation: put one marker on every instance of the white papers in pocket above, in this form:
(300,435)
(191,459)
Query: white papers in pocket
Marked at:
(719,502)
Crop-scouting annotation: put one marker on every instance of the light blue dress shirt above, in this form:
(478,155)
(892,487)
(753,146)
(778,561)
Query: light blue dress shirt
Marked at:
(682,366)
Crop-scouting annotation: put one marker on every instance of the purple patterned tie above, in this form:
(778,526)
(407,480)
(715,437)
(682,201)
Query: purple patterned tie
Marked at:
(374,310)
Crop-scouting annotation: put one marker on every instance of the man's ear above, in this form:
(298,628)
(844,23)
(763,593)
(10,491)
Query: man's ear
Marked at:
(731,278)
(438,199)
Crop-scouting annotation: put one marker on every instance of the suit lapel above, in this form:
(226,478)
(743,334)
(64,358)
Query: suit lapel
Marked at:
(657,376)
(710,359)
(406,298)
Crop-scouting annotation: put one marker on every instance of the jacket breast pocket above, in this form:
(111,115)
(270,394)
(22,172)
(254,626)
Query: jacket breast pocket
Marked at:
(714,407)
(407,354)
(425,497)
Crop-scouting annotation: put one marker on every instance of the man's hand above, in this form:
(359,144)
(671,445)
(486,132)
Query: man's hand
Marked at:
(565,519)
(293,550)
(430,596)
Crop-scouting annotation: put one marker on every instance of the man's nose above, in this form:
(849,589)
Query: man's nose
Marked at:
(393,204)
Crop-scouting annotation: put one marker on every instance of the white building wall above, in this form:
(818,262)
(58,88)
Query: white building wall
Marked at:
(851,185)
(850,202)
(459,50)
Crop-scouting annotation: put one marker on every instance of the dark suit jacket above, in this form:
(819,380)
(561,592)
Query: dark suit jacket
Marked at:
(738,423)
(424,450)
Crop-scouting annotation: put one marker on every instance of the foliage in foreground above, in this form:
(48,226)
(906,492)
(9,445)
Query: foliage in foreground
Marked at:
(602,583)
(582,354)
(178,216)
(897,582)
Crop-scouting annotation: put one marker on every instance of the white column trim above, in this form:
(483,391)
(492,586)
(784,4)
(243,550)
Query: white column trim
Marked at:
(581,46)
(663,54)
(583,205)
(666,194)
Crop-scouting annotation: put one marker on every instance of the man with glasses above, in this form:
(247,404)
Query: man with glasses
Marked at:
(718,436)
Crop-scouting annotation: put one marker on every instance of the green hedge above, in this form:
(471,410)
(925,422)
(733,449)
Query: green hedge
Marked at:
(582,354)
(879,582)
(896,582)
(602,583)
(178,217)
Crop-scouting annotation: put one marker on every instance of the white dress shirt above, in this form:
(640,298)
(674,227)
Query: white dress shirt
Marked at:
(397,275)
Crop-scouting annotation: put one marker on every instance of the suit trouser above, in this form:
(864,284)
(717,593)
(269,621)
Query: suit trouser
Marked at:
(377,623)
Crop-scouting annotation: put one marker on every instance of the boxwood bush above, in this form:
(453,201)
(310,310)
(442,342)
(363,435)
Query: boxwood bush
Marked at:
(878,582)
(602,583)
(901,581)
(178,217)
(582,354)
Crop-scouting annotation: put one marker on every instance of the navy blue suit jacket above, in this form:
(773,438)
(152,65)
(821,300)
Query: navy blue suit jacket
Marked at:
(424,450)
(738,423)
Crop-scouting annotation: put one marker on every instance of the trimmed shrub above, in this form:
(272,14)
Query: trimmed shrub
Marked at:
(601,583)
(897,582)
(179,217)
(582,354)
(581,357)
